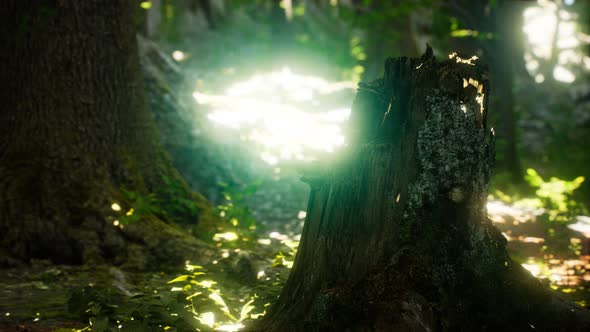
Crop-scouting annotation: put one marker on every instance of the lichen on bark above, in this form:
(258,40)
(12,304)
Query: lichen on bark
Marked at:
(453,153)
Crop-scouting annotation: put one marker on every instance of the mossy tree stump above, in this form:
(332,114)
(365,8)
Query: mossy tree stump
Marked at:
(397,236)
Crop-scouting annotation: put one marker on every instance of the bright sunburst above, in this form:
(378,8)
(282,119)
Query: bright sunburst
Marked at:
(284,113)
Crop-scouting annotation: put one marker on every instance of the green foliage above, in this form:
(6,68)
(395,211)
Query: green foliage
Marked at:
(555,196)
(207,303)
(555,208)
(176,202)
(171,202)
(234,211)
(109,308)
(378,13)
(141,205)
(189,302)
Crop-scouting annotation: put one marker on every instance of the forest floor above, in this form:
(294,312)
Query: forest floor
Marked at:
(46,297)
(252,263)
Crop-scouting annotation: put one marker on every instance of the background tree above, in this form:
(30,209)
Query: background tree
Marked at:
(491,30)
(75,130)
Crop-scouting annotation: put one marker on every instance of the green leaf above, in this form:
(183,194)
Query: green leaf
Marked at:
(533,178)
(246,309)
(179,279)
(460,33)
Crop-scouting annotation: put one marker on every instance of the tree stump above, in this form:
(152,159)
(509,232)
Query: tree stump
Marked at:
(397,236)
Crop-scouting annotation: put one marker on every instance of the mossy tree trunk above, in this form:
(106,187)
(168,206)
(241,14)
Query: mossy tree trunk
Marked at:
(75,128)
(397,236)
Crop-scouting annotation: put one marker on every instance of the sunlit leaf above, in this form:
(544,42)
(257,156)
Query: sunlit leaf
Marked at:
(207,318)
(230,327)
(217,299)
(179,279)
(464,33)
(246,309)
(146,5)
(533,178)
(204,283)
(193,295)
(256,316)
(190,267)
(227,236)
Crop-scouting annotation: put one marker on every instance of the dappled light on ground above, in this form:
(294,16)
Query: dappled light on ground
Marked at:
(530,242)
(287,115)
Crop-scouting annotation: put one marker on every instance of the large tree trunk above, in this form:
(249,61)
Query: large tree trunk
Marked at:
(75,128)
(396,236)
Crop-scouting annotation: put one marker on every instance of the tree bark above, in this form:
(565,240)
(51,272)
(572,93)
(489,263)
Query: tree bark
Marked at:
(75,129)
(397,236)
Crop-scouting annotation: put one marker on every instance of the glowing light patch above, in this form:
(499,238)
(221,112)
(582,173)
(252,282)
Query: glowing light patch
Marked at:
(540,28)
(230,327)
(532,65)
(479,99)
(278,236)
(207,318)
(178,55)
(563,74)
(146,5)
(567,35)
(301,215)
(265,242)
(116,207)
(228,236)
(278,111)
(582,225)
(469,61)
(552,33)
(207,283)
(534,268)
